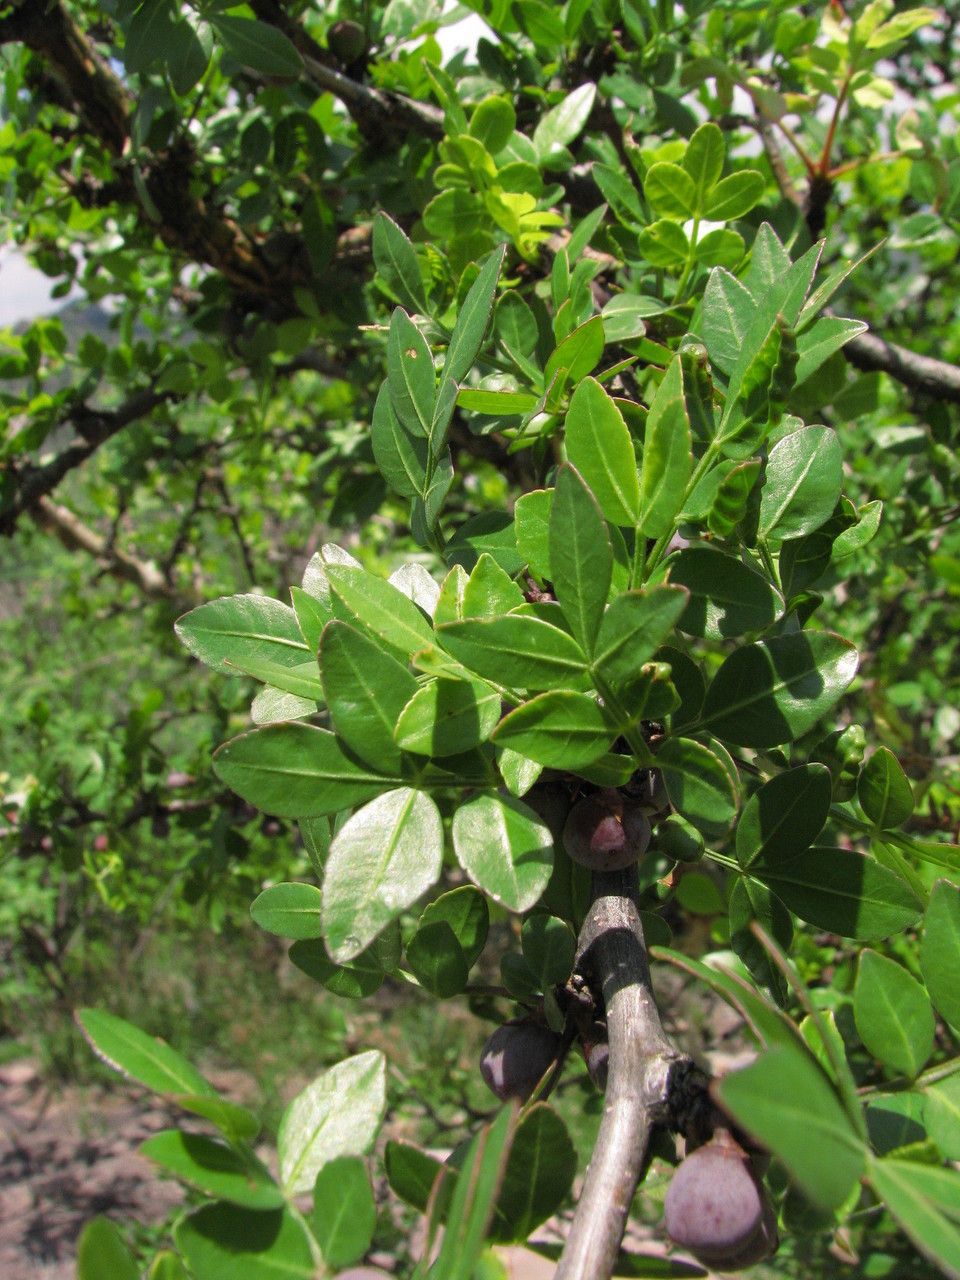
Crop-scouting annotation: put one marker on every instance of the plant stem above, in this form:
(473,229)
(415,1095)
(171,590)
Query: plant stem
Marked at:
(613,955)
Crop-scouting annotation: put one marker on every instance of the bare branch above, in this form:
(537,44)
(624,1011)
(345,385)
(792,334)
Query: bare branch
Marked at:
(923,374)
(645,1067)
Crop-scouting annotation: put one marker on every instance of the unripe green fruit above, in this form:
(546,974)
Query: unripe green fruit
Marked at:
(347,40)
(717,1208)
(679,839)
(606,832)
(516,1057)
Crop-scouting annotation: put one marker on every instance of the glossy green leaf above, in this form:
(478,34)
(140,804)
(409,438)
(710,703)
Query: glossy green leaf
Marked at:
(538,1177)
(941,1112)
(915,1195)
(703,161)
(240,627)
(504,848)
(144,1058)
(940,950)
(560,729)
(344,1213)
(465,910)
(549,946)
(532,517)
(843,892)
(633,628)
(497,403)
(489,590)
(290,910)
(883,790)
(312,616)
(380,608)
(802,483)
(396,263)
(818,343)
(271,705)
(410,375)
(445,717)
(751,901)
(101,1253)
(893,1014)
(784,1100)
(562,124)
(219,1171)
(776,690)
(296,771)
(354,981)
(734,196)
(437,961)
(259,45)
(302,681)
(784,816)
(517,650)
(666,455)
(381,860)
(492,122)
(726,315)
(227,1242)
(472,321)
(581,557)
(577,355)
(727,598)
(401,454)
(338,1114)
(599,446)
(474,1196)
(664,243)
(698,784)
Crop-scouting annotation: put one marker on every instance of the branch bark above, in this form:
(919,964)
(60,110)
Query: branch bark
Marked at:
(923,374)
(645,1069)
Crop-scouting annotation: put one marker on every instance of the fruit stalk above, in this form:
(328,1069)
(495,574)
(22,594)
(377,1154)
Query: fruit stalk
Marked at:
(643,1065)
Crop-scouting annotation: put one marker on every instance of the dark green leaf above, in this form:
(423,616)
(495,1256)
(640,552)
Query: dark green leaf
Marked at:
(258,45)
(666,455)
(539,1174)
(410,375)
(465,911)
(893,1014)
(227,1242)
(468,332)
(916,1194)
(884,793)
(581,557)
(396,262)
(549,946)
(354,981)
(633,627)
(516,650)
(785,816)
(144,1058)
(940,950)
(400,454)
(437,961)
(445,717)
(726,597)
(698,784)
(576,356)
(599,446)
(218,1170)
(560,729)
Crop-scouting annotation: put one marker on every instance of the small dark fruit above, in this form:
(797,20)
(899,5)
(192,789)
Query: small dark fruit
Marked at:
(606,832)
(717,1208)
(516,1057)
(347,40)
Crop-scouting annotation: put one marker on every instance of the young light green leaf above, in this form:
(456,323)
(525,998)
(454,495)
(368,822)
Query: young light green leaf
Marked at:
(381,860)
(344,1213)
(558,127)
(784,816)
(581,556)
(703,161)
(666,455)
(883,790)
(532,518)
(940,950)
(575,357)
(339,1114)
(734,196)
(893,1014)
(599,446)
(776,690)
(671,191)
(489,591)
(290,910)
(504,848)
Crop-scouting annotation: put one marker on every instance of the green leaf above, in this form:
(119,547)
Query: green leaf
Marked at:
(633,628)
(664,244)
(914,1194)
(410,375)
(670,191)
(290,910)
(884,793)
(893,1014)
(624,316)
(559,729)
(101,1253)
(941,1113)
(379,608)
(472,321)
(217,1170)
(504,848)
(445,717)
(492,122)
(258,45)
(396,262)
(720,248)
(751,901)
(575,357)
(271,705)
(558,127)
(785,816)
(227,1242)
(400,454)
(473,1200)
(818,343)
(381,860)
(726,315)
(734,196)
(497,403)
(940,950)
(301,681)
(549,946)
(666,455)
(539,1174)
(581,557)
(296,771)
(517,650)
(802,483)
(489,590)
(465,910)
(698,784)
(344,1213)
(338,1114)
(144,1058)
(776,690)
(599,446)
(354,981)
(234,628)
(236,1123)
(783,1099)
(843,892)
(165,1266)
(703,161)
(437,961)
(726,597)
(532,517)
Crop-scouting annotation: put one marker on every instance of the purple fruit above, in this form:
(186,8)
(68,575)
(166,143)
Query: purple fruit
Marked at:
(516,1057)
(717,1208)
(606,832)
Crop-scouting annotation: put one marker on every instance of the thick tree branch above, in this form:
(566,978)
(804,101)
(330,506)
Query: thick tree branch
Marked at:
(645,1069)
(923,374)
